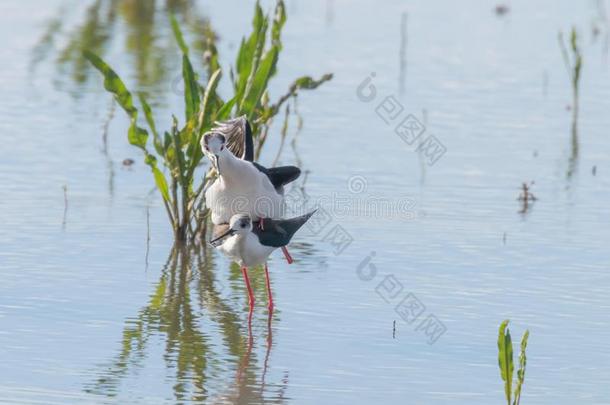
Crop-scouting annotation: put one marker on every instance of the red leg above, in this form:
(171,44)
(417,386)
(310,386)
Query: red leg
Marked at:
(261,224)
(287,255)
(244,271)
(269,295)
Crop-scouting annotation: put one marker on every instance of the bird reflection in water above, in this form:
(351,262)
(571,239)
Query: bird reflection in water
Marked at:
(187,297)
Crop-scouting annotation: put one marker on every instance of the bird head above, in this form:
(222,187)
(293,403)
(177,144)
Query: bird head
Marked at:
(212,144)
(240,224)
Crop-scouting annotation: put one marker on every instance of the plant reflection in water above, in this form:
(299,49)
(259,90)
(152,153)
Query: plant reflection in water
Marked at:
(189,314)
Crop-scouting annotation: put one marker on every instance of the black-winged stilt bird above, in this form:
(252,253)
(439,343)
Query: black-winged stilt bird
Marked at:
(243,186)
(249,245)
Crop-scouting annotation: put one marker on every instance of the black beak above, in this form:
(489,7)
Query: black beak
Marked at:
(216,241)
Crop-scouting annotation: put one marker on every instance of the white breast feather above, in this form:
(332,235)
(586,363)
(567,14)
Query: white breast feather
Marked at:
(246,250)
(248,192)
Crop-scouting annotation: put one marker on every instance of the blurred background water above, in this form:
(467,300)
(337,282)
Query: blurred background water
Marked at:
(89,314)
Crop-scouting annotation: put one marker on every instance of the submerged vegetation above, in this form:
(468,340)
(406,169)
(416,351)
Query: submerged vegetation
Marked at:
(142,24)
(573,65)
(178,148)
(507,367)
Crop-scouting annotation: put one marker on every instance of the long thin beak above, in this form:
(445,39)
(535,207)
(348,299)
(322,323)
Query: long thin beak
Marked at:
(215,242)
(216,164)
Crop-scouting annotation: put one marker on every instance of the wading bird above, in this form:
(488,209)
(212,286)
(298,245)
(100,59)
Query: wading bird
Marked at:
(249,245)
(243,186)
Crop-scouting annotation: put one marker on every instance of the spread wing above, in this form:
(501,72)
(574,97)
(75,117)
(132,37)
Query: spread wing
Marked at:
(279,176)
(238,134)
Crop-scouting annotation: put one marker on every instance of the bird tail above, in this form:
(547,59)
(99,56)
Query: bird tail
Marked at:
(292,225)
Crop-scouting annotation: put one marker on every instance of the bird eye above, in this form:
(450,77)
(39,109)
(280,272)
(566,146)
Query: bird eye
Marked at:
(206,148)
(222,147)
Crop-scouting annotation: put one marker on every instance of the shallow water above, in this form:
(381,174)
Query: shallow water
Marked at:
(87,317)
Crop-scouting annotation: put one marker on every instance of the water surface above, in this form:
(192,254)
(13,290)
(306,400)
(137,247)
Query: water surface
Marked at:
(87,317)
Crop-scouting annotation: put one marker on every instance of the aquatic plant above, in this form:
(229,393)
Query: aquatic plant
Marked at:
(574,66)
(505,361)
(178,148)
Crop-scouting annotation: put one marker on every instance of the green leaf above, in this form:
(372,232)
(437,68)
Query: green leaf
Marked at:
(241,56)
(505,358)
(148,114)
(521,371)
(278,23)
(137,136)
(259,17)
(191,88)
(161,183)
(210,93)
(150,160)
(225,111)
(167,140)
(250,53)
(178,35)
(176,137)
(151,124)
(259,83)
(204,121)
(308,83)
(113,83)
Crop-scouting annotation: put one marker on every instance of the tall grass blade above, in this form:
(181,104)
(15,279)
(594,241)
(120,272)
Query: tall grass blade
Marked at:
(225,111)
(205,115)
(259,83)
(278,23)
(191,88)
(505,358)
(178,35)
(250,53)
(161,183)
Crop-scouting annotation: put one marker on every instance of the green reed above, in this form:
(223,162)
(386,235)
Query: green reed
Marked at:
(178,148)
(573,63)
(507,367)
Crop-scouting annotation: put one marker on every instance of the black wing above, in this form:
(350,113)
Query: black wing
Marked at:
(278,232)
(280,176)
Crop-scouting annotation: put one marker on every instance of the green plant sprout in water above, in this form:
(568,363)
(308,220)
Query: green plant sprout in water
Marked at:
(179,148)
(505,361)
(574,66)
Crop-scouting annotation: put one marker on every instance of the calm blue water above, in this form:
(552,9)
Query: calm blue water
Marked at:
(87,317)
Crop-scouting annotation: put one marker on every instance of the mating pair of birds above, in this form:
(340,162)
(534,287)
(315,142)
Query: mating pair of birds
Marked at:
(246,200)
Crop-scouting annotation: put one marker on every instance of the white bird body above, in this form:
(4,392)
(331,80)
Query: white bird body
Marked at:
(246,250)
(241,188)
